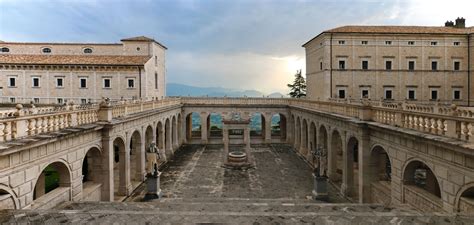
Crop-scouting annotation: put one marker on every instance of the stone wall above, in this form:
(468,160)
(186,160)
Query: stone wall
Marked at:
(7,201)
(422,200)
(91,191)
(52,199)
(466,205)
(381,192)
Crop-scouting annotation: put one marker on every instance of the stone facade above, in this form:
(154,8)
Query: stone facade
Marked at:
(78,78)
(392,63)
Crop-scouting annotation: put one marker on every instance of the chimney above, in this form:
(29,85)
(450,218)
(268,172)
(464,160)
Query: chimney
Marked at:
(460,23)
(449,24)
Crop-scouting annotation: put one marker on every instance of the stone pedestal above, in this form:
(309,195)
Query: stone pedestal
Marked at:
(153,190)
(320,191)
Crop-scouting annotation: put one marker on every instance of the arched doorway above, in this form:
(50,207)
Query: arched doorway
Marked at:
(120,182)
(304,139)
(421,187)
(160,136)
(278,126)
(136,154)
(257,126)
(91,175)
(466,201)
(298,134)
(193,126)
(214,123)
(352,189)
(54,181)
(380,176)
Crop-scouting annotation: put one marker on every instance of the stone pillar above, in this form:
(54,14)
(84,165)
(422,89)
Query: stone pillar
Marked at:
(225,139)
(364,170)
(331,155)
(40,186)
(168,142)
(347,179)
(289,130)
(124,169)
(247,138)
(107,170)
(188,128)
(141,163)
(175,135)
(203,128)
(268,128)
(182,129)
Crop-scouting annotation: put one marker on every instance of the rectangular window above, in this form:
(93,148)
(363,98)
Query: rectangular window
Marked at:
(320,65)
(456,43)
(342,64)
(388,42)
(36,82)
(411,94)
(457,65)
(106,82)
(411,65)
(365,42)
(388,94)
(388,65)
(156,60)
(83,101)
(83,82)
(365,93)
(59,82)
(457,95)
(131,83)
(434,65)
(434,94)
(342,42)
(12,100)
(60,101)
(341,93)
(365,65)
(433,43)
(36,100)
(411,43)
(156,80)
(12,82)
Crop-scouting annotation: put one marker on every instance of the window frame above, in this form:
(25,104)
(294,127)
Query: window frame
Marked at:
(339,91)
(87,51)
(414,94)
(343,63)
(2,50)
(385,91)
(110,83)
(80,82)
(57,82)
(36,100)
(433,43)
(411,42)
(434,90)
(459,65)
(128,83)
(388,42)
(46,50)
(341,42)
(456,43)
(33,82)
(454,94)
(364,42)
(414,65)
(362,93)
(10,78)
(60,101)
(362,64)
(434,62)
(388,61)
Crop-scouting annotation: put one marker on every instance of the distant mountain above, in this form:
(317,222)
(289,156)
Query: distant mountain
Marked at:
(174,89)
(276,95)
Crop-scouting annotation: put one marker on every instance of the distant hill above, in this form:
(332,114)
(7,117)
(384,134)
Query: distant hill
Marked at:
(174,89)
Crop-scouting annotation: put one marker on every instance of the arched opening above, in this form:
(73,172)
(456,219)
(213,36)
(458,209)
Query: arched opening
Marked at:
(174,133)
(136,174)
(120,184)
(214,123)
(278,126)
(193,126)
(353,168)
(380,176)
(257,126)
(149,137)
(160,135)
(298,133)
(168,138)
(304,139)
(336,158)
(52,187)
(466,201)
(91,179)
(313,142)
(180,129)
(421,187)
(7,200)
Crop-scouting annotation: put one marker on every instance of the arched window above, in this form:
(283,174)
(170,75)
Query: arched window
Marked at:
(87,50)
(46,50)
(5,49)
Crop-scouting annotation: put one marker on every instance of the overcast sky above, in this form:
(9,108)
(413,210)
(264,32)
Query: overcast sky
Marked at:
(244,44)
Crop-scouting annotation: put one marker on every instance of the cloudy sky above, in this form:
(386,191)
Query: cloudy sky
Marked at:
(244,44)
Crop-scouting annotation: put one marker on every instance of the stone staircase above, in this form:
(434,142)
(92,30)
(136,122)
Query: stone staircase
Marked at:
(227,210)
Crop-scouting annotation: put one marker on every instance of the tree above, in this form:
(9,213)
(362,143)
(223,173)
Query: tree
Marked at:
(298,88)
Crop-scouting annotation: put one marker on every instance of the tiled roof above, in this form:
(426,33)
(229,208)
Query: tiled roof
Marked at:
(143,38)
(73,60)
(397,30)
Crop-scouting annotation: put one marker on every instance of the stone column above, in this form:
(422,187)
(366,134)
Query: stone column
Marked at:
(331,155)
(182,129)
(124,169)
(175,135)
(347,180)
(39,188)
(247,138)
(268,128)
(289,130)
(141,163)
(225,139)
(107,170)
(203,128)
(364,170)
(168,143)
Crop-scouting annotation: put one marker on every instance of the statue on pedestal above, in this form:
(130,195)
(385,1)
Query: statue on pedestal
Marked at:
(152,155)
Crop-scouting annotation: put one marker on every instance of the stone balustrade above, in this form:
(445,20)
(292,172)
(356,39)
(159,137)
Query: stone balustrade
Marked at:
(435,119)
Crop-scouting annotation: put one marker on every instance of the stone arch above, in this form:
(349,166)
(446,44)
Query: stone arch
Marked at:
(120,176)
(193,126)
(214,125)
(54,178)
(91,174)
(160,135)
(136,155)
(304,138)
(257,125)
(336,158)
(297,133)
(421,186)
(8,198)
(149,136)
(380,173)
(465,199)
(277,126)
(352,166)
